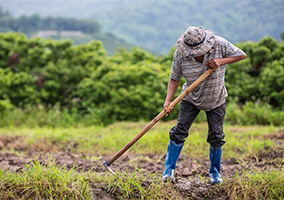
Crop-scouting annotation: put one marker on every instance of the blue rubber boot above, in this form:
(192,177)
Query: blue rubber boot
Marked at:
(215,160)
(171,159)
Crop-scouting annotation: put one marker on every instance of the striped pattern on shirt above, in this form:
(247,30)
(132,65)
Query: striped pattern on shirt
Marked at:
(211,93)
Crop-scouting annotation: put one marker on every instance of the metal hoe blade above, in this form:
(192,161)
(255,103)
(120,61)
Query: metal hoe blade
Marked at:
(106,164)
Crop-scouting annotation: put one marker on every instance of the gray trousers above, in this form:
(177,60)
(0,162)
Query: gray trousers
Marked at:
(188,112)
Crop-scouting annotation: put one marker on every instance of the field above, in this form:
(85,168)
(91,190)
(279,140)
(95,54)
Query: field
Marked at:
(66,163)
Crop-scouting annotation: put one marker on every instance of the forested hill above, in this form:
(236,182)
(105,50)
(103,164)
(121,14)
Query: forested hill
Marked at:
(80,31)
(156,24)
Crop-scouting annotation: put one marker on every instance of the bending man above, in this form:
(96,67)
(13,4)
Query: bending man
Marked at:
(196,50)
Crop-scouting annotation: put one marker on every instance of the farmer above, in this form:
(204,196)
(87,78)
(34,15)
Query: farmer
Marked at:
(196,50)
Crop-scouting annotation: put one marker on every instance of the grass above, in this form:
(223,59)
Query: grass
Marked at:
(39,181)
(256,185)
(241,141)
(136,186)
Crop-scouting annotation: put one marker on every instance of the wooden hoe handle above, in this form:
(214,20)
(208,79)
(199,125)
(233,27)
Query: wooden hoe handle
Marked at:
(108,162)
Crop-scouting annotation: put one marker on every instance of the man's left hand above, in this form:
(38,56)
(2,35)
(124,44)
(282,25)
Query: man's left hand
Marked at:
(214,63)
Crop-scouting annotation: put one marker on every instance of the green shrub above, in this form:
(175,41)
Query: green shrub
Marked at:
(254,113)
(128,86)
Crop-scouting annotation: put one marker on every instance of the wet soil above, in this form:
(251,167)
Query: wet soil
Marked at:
(188,172)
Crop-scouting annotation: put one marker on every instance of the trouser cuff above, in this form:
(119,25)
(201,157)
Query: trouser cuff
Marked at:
(215,147)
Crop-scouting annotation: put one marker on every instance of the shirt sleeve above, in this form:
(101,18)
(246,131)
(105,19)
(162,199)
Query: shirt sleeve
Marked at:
(233,51)
(176,71)
(230,50)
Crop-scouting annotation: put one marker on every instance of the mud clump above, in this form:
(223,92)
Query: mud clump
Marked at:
(13,142)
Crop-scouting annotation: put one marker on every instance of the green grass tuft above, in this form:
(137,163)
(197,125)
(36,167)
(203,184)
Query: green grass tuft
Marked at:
(43,182)
(136,186)
(256,185)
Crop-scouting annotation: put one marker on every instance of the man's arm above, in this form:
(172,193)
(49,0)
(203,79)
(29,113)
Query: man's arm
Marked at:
(216,62)
(172,88)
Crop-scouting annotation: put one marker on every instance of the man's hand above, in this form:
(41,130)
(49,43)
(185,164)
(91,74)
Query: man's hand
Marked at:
(172,87)
(214,63)
(166,105)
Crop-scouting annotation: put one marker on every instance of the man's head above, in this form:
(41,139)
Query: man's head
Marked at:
(195,41)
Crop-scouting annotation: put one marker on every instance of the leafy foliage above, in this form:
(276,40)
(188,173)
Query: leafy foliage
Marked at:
(260,76)
(126,86)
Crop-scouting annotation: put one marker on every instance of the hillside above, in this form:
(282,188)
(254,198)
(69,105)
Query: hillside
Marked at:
(155,25)
(80,31)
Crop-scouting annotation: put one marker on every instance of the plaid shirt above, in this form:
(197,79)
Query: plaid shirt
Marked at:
(210,93)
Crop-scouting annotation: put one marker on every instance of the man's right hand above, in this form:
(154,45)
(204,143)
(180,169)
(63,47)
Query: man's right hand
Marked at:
(166,105)
(172,87)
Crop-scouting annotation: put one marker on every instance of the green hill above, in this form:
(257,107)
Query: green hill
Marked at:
(80,31)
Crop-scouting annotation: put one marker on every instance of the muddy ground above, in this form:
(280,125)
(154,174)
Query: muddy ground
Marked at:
(188,172)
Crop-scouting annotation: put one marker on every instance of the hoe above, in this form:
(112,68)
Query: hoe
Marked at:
(108,162)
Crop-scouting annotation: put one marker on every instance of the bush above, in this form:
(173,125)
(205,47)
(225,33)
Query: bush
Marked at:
(254,113)
(129,86)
